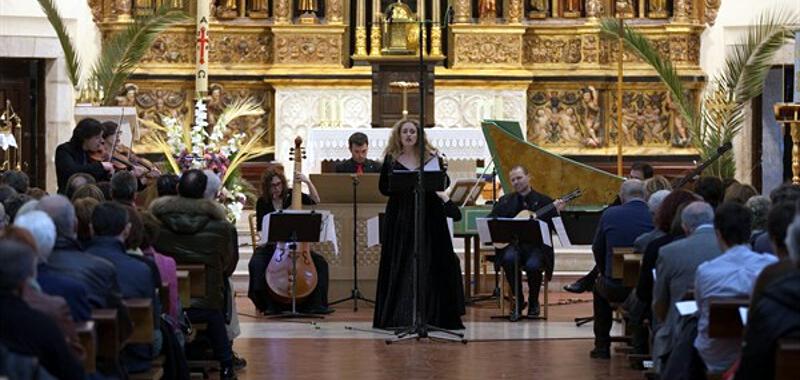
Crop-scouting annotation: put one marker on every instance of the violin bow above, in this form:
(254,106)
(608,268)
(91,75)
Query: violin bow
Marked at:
(116,135)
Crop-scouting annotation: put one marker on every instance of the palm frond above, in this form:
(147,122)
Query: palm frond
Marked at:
(247,152)
(123,51)
(70,54)
(641,46)
(240,107)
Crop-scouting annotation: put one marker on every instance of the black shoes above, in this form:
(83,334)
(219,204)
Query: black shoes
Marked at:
(534,309)
(578,287)
(600,354)
(238,362)
(227,373)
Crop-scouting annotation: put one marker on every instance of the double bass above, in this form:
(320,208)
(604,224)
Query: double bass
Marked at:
(280,276)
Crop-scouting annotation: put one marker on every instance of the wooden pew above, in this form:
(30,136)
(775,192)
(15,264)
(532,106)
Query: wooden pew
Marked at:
(87,338)
(197,278)
(141,312)
(618,261)
(184,288)
(787,359)
(163,297)
(631,266)
(107,331)
(724,320)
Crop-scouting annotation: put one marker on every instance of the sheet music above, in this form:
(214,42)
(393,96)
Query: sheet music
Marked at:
(545,229)
(432,165)
(327,231)
(373,231)
(483,229)
(743,315)
(686,307)
(561,232)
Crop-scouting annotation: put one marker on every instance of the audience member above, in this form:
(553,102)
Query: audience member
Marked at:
(17,180)
(619,226)
(105,187)
(780,218)
(110,227)
(166,265)
(674,274)
(76,181)
(96,274)
(14,203)
(167,184)
(653,204)
(84,207)
(3,216)
(123,187)
(89,191)
(195,231)
(641,171)
(43,231)
(759,205)
(28,206)
(786,192)
(775,315)
(731,275)
(654,184)
(710,189)
(37,193)
(24,330)
(739,193)
(213,185)
(6,192)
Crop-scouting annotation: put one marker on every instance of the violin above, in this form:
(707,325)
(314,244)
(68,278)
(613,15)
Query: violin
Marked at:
(119,161)
(281,279)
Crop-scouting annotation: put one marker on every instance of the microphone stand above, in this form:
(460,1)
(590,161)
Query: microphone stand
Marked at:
(419,328)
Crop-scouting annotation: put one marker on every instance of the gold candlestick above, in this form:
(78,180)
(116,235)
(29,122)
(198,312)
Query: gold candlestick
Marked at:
(404,86)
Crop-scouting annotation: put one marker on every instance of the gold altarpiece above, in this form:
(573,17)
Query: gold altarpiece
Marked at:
(257,45)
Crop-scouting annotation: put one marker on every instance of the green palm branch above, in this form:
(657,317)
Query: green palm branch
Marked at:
(123,51)
(721,116)
(70,54)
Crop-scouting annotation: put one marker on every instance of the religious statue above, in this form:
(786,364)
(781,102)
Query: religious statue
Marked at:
(308,9)
(681,10)
(487,11)
(594,8)
(594,132)
(625,8)
(658,9)
(123,8)
(215,104)
(227,9)
(128,97)
(539,9)
(571,8)
(258,9)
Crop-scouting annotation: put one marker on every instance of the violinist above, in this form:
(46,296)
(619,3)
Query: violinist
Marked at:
(122,157)
(73,156)
(276,195)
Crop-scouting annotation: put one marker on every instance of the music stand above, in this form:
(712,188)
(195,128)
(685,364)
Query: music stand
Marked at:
(514,232)
(292,228)
(355,292)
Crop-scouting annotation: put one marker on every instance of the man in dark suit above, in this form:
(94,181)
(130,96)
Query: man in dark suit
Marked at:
(531,258)
(619,227)
(358,162)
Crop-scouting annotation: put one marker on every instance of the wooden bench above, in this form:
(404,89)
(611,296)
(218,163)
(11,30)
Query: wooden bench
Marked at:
(184,288)
(724,320)
(141,312)
(787,359)
(197,278)
(618,261)
(631,266)
(88,340)
(107,332)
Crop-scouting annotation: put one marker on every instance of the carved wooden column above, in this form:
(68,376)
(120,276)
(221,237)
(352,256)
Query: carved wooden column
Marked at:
(361,30)
(283,11)
(514,15)
(462,10)
(333,11)
(421,16)
(123,8)
(436,29)
(375,33)
(681,10)
(595,9)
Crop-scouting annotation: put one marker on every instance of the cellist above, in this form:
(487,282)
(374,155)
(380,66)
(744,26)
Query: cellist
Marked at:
(276,195)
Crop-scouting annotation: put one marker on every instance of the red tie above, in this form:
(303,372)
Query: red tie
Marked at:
(359,168)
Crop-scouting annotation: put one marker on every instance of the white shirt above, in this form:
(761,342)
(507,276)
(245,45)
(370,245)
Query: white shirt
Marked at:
(731,275)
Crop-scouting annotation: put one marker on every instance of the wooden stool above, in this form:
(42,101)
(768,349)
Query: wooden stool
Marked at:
(546,290)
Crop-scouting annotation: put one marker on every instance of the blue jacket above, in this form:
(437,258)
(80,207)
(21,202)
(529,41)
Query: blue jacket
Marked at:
(619,227)
(58,284)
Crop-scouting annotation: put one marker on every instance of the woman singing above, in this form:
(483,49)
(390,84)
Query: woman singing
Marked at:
(441,290)
(275,195)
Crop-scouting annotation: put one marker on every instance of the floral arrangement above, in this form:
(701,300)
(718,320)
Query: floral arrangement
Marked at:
(191,146)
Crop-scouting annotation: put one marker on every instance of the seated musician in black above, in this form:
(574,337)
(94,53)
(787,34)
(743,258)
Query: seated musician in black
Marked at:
(358,163)
(532,259)
(275,195)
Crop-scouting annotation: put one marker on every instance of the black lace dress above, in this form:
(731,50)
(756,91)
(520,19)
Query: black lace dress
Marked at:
(441,283)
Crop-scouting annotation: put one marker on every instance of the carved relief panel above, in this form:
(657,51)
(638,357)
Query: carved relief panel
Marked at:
(483,49)
(649,119)
(566,116)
